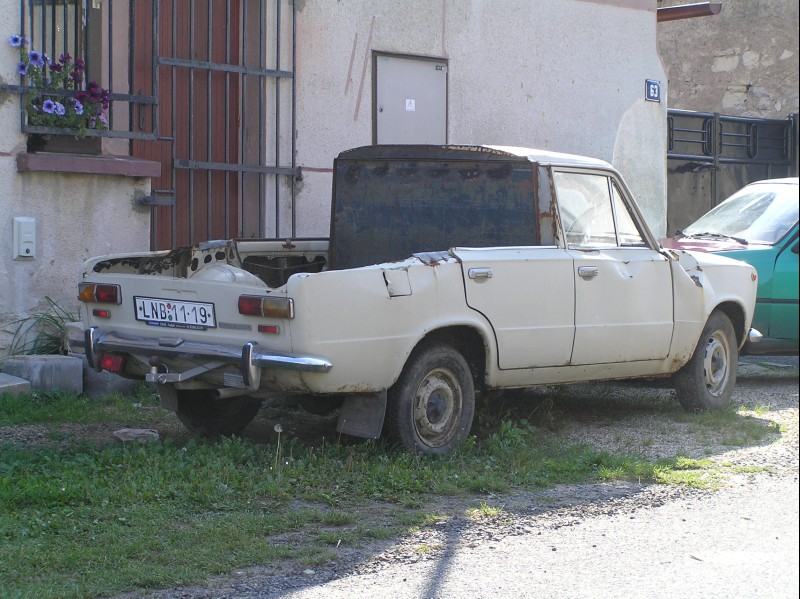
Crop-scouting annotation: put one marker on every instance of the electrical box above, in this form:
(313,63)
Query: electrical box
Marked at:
(24,237)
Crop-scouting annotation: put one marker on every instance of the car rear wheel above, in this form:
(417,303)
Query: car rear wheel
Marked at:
(431,407)
(205,414)
(706,382)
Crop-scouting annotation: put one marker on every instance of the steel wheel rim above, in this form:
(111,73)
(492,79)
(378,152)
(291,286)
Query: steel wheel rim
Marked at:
(716,363)
(437,407)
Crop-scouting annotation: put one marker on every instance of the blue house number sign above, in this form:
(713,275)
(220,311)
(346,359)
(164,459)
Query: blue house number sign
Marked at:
(652,90)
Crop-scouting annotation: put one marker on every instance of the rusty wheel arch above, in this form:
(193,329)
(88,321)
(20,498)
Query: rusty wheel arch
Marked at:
(466,339)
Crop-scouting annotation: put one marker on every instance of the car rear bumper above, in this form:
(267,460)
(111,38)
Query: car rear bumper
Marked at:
(249,357)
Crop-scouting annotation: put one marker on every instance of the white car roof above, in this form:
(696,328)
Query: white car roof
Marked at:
(786,181)
(555,158)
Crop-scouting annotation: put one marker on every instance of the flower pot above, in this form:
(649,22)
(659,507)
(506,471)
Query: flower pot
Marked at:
(64,144)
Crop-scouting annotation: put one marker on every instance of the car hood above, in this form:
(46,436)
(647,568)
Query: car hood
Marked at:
(702,245)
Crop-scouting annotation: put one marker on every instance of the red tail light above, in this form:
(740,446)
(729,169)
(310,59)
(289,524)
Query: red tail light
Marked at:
(101,294)
(112,362)
(266,306)
(101,313)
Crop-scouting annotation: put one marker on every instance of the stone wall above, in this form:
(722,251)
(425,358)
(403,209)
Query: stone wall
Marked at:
(743,61)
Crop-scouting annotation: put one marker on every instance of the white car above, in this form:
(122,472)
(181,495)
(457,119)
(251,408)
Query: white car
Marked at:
(449,271)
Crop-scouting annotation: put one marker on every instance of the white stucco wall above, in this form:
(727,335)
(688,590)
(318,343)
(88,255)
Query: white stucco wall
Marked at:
(566,75)
(77,216)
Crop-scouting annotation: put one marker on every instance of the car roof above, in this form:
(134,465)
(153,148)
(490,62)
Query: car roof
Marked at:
(786,181)
(552,158)
(471,152)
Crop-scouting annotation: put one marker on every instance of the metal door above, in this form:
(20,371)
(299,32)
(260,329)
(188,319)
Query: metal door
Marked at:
(226,98)
(409,100)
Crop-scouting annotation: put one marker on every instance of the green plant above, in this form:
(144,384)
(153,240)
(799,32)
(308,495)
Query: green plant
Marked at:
(42,332)
(56,96)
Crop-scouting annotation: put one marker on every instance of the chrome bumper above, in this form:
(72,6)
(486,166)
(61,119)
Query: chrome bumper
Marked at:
(754,336)
(250,357)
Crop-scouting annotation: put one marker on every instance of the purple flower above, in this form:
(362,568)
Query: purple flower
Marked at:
(103,119)
(36,58)
(22,69)
(59,109)
(64,58)
(56,68)
(16,41)
(48,106)
(77,106)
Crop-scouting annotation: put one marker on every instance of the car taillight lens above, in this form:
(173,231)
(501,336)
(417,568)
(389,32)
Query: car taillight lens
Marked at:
(112,363)
(99,293)
(267,307)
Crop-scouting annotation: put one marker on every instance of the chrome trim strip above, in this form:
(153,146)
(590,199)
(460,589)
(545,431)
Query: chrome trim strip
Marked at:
(98,340)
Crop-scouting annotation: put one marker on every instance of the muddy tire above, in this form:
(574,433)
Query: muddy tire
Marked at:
(430,408)
(206,415)
(706,382)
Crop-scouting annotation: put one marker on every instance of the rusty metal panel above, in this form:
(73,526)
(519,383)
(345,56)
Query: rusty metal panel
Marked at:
(385,209)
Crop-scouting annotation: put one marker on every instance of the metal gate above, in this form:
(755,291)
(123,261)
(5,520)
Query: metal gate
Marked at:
(226,121)
(712,155)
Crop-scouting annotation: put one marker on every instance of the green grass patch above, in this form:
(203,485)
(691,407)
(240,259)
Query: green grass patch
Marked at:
(86,521)
(56,408)
(732,426)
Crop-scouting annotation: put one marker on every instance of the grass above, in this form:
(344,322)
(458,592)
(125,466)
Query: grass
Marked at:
(83,520)
(57,408)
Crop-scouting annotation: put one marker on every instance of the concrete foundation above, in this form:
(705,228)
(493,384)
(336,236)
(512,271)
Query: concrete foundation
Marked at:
(48,373)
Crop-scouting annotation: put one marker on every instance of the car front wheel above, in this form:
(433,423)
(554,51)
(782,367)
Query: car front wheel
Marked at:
(706,382)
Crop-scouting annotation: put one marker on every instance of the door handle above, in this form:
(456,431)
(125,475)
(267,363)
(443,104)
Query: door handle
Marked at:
(588,272)
(480,273)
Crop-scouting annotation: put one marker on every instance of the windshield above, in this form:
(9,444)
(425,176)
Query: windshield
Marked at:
(761,213)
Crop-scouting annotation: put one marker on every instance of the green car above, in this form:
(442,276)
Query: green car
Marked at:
(758,224)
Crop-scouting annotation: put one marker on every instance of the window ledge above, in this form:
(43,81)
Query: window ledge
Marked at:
(52,162)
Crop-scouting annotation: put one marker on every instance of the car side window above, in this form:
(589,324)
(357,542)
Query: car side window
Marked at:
(627,231)
(585,207)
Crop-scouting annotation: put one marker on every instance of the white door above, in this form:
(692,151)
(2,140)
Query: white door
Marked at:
(410,100)
(623,287)
(527,294)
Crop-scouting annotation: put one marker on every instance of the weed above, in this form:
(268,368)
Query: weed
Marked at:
(43,332)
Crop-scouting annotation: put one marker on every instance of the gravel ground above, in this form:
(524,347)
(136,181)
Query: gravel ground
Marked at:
(595,540)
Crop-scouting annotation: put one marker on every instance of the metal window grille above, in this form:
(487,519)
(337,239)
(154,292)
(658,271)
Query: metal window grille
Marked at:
(227,122)
(101,33)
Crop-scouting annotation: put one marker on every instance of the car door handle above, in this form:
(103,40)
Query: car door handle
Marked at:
(588,272)
(480,273)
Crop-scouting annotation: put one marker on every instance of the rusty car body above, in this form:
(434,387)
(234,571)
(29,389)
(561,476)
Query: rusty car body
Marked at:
(449,271)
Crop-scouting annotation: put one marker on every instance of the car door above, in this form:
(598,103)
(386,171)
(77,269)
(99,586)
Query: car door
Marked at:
(623,286)
(784,301)
(528,296)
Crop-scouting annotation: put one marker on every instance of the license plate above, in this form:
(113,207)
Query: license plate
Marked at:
(174,314)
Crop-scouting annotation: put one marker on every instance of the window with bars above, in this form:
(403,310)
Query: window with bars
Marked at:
(78,63)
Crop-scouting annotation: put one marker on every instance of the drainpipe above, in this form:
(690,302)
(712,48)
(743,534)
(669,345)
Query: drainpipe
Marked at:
(688,11)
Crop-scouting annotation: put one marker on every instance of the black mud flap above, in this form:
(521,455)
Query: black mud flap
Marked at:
(362,415)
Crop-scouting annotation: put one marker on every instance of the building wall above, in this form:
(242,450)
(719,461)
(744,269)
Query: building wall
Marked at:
(77,216)
(565,76)
(743,61)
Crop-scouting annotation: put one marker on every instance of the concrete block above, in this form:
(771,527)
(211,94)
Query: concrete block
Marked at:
(48,373)
(13,385)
